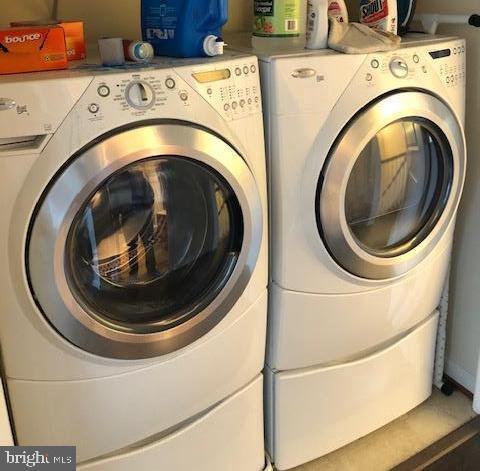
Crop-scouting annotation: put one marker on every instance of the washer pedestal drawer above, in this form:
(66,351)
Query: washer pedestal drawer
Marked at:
(228,437)
(311,412)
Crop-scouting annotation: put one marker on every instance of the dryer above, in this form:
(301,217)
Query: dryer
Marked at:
(367,163)
(134,274)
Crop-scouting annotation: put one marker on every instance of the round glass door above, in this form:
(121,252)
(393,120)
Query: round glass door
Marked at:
(155,244)
(391,185)
(399,187)
(145,241)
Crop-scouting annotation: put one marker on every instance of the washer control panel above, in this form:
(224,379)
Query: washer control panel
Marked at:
(232,87)
(135,93)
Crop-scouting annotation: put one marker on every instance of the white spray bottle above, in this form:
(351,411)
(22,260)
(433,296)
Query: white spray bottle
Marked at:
(338,10)
(317,24)
(317,20)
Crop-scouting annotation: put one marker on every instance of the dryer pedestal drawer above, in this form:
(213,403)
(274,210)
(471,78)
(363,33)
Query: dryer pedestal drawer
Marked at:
(318,410)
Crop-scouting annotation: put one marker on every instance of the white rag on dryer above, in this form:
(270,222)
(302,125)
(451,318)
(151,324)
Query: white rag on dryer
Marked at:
(357,38)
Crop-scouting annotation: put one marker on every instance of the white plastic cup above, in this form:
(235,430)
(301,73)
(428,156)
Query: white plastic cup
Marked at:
(111,51)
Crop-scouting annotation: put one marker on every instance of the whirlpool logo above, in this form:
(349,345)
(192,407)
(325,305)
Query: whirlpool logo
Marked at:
(55,458)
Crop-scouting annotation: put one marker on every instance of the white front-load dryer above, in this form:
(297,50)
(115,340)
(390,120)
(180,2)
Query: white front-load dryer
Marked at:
(367,163)
(134,247)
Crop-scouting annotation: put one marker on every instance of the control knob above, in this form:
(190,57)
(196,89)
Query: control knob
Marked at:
(399,67)
(140,95)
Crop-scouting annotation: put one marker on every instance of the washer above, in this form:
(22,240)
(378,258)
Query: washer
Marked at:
(367,164)
(134,274)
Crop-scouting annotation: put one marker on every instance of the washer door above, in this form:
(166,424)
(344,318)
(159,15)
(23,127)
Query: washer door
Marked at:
(391,185)
(144,242)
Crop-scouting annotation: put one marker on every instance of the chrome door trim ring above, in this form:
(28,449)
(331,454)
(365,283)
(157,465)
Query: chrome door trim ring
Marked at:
(72,187)
(331,219)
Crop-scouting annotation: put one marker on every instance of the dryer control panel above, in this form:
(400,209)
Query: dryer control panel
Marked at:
(449,61)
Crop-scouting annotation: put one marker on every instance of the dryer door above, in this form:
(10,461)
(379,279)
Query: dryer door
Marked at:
(145,241)
(391,185)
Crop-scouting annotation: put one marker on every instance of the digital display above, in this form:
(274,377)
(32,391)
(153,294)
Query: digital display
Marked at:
(440,54)
(212,75)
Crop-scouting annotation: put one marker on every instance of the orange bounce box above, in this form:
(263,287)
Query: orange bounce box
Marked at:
(75,39)
(32,49)
(74,36)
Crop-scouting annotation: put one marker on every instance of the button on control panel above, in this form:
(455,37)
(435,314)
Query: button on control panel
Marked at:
(93,108)
(170,83)
(103,91)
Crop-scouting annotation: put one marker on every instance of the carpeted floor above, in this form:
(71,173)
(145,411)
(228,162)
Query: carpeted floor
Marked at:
(401,439)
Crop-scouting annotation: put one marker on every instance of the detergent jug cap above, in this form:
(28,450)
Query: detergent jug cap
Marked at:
(213,45)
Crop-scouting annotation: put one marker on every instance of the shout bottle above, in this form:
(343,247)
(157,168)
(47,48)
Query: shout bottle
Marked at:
(379,14)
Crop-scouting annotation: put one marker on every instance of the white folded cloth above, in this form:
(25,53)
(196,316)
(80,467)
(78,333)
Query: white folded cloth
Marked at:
(357,38)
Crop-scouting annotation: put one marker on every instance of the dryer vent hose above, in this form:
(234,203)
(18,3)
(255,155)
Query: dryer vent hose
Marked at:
(431,21)
(474,20)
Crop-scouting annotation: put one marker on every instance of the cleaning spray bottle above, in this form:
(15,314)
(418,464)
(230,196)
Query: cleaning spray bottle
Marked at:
(318,12)
(379,14)
(317,24)
(338,10)
(279,24)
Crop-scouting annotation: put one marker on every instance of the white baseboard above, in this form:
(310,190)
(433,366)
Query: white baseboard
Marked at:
(466,379)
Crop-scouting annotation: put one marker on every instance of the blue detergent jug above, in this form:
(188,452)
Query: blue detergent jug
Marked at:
(184,28)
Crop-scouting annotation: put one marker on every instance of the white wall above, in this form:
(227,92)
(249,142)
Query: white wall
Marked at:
(464,325)
(107,17)
(24,10)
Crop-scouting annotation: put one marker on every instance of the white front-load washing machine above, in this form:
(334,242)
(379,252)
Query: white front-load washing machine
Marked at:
(367,163)
(134,263)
